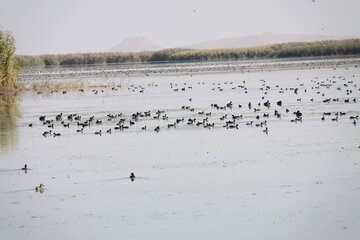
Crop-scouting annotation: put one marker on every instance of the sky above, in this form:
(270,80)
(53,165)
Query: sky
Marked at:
(65,26)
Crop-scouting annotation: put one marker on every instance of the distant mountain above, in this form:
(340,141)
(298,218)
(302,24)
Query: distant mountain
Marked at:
(135,44)
(260,39)
(138,44)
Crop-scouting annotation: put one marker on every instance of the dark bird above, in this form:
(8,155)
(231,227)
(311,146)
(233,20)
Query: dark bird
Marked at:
(132,176)
(25,168)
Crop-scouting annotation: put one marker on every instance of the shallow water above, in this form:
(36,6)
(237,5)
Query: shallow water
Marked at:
(299,181)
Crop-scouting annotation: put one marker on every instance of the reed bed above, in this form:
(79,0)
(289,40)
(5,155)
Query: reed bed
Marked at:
(8,67)
(284,50)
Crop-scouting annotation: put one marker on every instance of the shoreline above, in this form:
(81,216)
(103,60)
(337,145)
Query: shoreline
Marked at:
(88,76)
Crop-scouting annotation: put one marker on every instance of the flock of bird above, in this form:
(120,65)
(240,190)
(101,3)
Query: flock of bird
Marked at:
(228,115)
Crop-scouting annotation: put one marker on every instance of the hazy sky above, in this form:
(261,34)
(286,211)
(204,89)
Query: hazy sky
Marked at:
(61,26)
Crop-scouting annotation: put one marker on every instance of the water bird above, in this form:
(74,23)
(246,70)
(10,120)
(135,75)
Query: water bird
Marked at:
(58,117)
(267,104)
(40,188)
(132,176)
(46,133)
(25,168)
(98,133)
(298,114)
(266,130)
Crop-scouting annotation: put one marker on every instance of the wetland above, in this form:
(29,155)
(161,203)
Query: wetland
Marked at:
(258,149)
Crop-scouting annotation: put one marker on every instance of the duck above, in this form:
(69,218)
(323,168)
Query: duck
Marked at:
(132,176)
(157,129)
(40,188)
(58,117)
(98,133)
(25,168)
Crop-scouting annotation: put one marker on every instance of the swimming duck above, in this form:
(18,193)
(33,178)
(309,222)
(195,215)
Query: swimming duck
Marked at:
(157,129)
(40,188)
(132,176)
(58,117)
(25,168)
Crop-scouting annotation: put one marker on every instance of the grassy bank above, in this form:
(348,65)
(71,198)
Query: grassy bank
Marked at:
(286,50)
(7,61)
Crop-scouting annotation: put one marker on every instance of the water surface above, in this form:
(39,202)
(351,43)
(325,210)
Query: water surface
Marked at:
(299,181)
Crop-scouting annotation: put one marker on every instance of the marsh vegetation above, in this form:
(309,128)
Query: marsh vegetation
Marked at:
(286,50)
(7,61)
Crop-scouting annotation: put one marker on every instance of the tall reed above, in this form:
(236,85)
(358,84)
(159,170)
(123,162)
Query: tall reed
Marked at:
(8,67)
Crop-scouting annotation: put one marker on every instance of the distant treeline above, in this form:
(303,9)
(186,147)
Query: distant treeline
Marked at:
(285,50)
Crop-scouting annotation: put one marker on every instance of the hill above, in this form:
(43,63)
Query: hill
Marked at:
(260,40)
(135,44)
